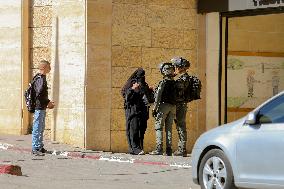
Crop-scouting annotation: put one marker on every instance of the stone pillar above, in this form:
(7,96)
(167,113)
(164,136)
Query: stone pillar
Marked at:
(212,62)
(98,74)
(11,67)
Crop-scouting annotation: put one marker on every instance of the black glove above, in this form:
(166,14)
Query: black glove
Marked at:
(154,113)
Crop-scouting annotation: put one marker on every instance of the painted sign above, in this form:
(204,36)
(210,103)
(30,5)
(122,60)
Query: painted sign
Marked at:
(265,3)
(254,4)
(205,6)
(253,79)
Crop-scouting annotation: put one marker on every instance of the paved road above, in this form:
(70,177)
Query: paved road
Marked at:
(60,172)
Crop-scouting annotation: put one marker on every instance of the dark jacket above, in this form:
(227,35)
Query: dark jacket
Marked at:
(135,105)
(41,93)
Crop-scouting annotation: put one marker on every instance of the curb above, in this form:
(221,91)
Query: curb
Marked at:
(108,158)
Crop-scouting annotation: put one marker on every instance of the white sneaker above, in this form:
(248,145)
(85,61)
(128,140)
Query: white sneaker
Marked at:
(141,153)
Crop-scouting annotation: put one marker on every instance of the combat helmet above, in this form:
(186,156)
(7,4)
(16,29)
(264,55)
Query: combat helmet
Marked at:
(167,68)
(180,62)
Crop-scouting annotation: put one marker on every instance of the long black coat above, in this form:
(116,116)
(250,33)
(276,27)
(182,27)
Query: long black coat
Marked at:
(136,105)
(137,114)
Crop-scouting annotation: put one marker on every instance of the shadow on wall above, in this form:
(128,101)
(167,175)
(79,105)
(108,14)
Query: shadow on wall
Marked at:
(56,78)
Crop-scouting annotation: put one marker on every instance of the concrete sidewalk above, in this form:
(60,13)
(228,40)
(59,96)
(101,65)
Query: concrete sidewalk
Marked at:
(22,144)
(72,168)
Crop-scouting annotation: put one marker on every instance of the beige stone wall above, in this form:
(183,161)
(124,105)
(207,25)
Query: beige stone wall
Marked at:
(98,75)
(123,35)
(145,33)
(40,28)
(10,67)
(57,34)
(257,33)
(68,71)
(94,46)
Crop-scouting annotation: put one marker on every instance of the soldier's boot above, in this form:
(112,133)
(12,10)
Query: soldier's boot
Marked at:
(158,151)
(169,152)
(180,152)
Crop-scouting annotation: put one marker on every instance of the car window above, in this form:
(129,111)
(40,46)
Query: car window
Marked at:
(272,112)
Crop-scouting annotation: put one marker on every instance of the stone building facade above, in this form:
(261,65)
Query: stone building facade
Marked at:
(94,46)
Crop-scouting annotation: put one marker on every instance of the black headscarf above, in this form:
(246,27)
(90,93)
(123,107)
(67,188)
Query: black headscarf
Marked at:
(137,76)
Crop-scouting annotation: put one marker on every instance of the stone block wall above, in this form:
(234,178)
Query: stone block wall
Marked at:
(10,67)
(68,57)
(93,47)
(41,31)
(40,28)
(123,35)
(98,75)
(145,33)
(57,34)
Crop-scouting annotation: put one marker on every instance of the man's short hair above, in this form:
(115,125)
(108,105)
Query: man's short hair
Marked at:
(43,64)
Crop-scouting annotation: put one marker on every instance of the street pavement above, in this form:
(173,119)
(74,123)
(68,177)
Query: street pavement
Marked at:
(72,168)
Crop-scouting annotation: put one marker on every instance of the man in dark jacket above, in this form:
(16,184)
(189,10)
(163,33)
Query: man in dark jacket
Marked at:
(41,103)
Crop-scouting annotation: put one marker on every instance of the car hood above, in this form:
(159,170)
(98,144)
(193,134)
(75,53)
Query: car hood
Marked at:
(222,131)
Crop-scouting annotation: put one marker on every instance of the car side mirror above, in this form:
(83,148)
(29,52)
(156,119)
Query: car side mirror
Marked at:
(251,118)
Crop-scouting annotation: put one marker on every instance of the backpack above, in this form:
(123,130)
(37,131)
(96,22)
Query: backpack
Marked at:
(169,92)
(30,95)
(193,90)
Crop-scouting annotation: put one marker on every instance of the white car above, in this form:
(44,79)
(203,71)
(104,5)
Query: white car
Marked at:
(247,153)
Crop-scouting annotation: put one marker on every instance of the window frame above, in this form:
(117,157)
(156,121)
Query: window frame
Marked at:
(270,107)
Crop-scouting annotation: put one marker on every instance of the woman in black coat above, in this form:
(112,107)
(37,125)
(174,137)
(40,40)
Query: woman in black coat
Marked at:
(137,96)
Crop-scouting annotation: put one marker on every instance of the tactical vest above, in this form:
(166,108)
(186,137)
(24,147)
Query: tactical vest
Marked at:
(182,87)
(169,92)
(196,86)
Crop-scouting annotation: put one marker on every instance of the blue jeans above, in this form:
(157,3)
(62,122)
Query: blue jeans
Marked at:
(38,128)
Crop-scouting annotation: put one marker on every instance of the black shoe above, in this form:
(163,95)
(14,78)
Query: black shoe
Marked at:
(168,152)
(43,150)
(37,153)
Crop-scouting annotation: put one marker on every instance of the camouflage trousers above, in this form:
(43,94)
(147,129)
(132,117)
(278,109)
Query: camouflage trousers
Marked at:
(181,109)
(165,116)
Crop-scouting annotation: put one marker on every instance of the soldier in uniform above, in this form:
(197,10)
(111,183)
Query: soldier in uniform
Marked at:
(164,109)
(182,98)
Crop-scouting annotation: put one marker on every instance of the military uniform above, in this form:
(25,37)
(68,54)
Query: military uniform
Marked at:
(182,83)
(183,87)
(164,113)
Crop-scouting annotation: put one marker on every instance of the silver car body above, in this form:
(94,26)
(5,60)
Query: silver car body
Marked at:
(255,151)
